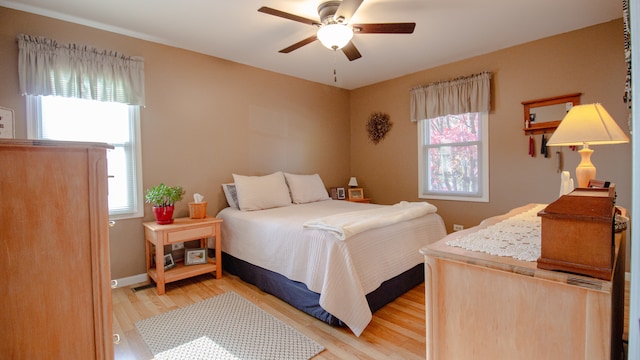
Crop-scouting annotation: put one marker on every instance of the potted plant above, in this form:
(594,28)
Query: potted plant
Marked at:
(162,198)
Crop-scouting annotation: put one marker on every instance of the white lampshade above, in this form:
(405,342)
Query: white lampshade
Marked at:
(335,36)
(353,181)
(586,125)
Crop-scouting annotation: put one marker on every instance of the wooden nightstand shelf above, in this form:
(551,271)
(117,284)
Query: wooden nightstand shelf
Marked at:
(183,229)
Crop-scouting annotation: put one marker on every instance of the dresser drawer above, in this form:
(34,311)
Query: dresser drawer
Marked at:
(190,234)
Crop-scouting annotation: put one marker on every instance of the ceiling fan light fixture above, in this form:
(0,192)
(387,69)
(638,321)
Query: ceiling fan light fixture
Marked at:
(335,36)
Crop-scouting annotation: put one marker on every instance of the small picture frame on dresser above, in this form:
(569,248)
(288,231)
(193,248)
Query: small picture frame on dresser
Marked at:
(168,262)
(333,193)
(341,194)
(195,256)
(356,193)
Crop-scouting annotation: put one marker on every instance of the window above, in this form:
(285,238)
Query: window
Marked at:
(453,157)
(72,119)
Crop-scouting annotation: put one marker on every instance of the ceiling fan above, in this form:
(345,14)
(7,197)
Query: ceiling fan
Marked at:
(335,31)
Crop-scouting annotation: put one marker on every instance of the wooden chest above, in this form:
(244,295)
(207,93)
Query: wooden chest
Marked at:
(578,233)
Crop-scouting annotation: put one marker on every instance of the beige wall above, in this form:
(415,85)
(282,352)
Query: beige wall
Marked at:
(207,118)
(590,61)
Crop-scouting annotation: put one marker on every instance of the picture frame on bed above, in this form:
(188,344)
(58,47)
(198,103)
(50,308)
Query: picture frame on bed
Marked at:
(341,194)
(195,256)
(356,193)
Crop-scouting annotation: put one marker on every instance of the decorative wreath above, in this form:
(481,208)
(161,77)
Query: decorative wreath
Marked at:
(378,126)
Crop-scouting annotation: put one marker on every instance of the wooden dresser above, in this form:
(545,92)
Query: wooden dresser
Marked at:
(54,257)
(482,306)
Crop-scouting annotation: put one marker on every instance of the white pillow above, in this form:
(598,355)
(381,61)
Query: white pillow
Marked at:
(261,192)
(306,188)
(231,195)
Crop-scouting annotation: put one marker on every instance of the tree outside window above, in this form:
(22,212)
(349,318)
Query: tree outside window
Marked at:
(453,157)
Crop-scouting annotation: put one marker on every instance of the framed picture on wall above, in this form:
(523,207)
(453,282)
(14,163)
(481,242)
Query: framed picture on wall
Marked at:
(341,194)
(7,130)
(356,193)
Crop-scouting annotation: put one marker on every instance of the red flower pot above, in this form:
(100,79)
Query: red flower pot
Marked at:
(164,214)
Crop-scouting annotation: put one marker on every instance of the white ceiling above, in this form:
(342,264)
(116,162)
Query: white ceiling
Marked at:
(446,30)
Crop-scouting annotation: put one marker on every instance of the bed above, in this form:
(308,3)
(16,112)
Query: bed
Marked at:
(338,279)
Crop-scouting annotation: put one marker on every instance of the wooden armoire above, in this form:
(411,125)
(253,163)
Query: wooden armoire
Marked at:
(55,300)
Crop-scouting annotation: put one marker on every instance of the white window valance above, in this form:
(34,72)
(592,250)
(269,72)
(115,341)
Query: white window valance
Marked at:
(457,96)
(78,71)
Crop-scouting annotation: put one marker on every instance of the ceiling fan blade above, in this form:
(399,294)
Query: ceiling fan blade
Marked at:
(299,44)
(347,8)
(351,52)
(389,28)
(285,15)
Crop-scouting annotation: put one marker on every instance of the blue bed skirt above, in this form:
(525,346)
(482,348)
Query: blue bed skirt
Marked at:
(299,296)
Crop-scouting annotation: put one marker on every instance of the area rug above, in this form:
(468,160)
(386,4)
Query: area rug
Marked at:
(226,326)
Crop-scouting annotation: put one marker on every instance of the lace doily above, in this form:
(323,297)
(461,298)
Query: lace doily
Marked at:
(517,237)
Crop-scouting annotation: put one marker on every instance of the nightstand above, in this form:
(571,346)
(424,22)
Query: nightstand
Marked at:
(365,200)
(181,230)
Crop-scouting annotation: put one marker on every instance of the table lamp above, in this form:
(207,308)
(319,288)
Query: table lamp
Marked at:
(353,182)
(586,125)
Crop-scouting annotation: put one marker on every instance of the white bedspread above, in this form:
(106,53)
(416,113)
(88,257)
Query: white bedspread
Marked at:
(342,271)
(347,224)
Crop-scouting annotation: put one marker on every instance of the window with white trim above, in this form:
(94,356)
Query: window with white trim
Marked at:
(453,157)
(73,119)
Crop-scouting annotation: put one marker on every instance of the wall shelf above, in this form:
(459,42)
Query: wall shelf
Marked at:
(547,125)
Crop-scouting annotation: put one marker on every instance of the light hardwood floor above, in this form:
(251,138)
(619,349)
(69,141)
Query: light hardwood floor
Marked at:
(397,331)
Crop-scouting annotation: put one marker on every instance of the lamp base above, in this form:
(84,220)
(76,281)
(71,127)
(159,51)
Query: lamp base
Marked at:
(585,170)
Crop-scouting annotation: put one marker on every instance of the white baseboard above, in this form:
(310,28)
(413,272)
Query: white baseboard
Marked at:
(141,278)
(130,280)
